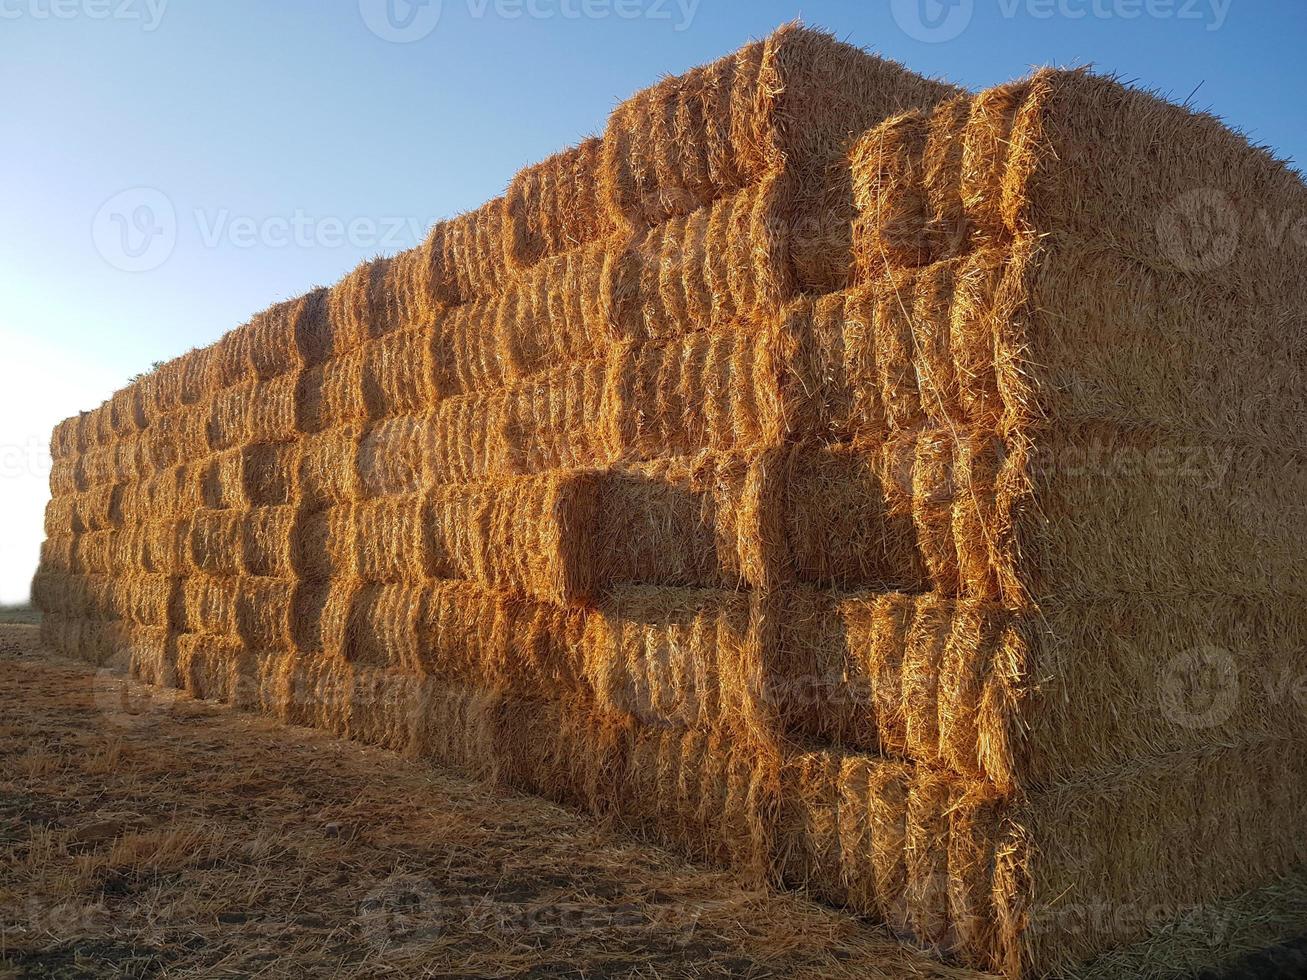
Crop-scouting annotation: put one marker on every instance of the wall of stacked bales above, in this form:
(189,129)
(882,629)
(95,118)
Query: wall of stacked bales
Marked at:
(793,474)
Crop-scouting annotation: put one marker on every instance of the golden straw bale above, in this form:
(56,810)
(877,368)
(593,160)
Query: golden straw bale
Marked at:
(270,473)
(466,257)
(384,708)
(324,545)
(216,546)
(205,604)
(708,390)
(272,409)
(676,657)
(326,472)
(383,625)
(199,380)
(398,374)
(790,101)
(392,539)
(127,411)
(235,358)
(527,534)
(465,439)
(464,350)
(316,335)
(321,616)
(212,666)
(555,206)
(269,539)
(330,394)
(392,456)
(222,480)
(149,598)
(63,475)
(313,691)
(152,655)
(557,311)
(93,552)
(63,439)
(559,419)
(362,307)
(274,343)
(1187,829)
(265,608)
(63,514)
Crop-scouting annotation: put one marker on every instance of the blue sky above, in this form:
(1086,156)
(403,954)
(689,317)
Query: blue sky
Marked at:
(290,139)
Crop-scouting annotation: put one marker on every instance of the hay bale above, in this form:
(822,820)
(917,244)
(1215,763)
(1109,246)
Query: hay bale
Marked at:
(326,472)
(274,337)
(330,395)
(552,313)
(708,390)
(221,480)
(464,348)
(464,439)
(556,206)
(398,375)
(465,257)
(270,473)
(559,419)
(790,102)
(216,541)
(127,412)
(324,544)
(674,657)
(235,358)
(314,331)
(362,307)
(213,667)
(265,608)
(269,541)
(391,456)
(320,618)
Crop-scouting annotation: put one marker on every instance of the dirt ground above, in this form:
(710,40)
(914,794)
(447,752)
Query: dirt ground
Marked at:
(143,834)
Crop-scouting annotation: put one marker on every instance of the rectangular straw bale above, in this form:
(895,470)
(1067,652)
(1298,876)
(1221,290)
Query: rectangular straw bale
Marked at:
(465,438)
(555,206)
(675,657)
(216,541)
(321,616)
(529,535)
(272,409)
(93,553)
(1186,830)
(58,553)
(270,473)
(152,656)
(398,374)
(325,543)
(790,102)
(199,376)
(268,539)
(561,748)
(235,358)
(265,608)
(62,515)
(63,475)
(464,348)
(392,456)
(384,706)
(274,337)
(392,541)
(709,390)
(213,667)
(330,395)
(315,692)
(148,598)
(555,312)
(503,640)
(315,334)
(159,547)
(326,472)
(205,604)
(222,480)
(363,306)
(559,419)
(466,257)
(63,439)
(1094,509)
(383,625)
(127,411)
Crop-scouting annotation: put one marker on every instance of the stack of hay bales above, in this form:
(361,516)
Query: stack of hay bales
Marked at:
(829,472)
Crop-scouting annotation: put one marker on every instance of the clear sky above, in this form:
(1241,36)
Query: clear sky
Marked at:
(279,142)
